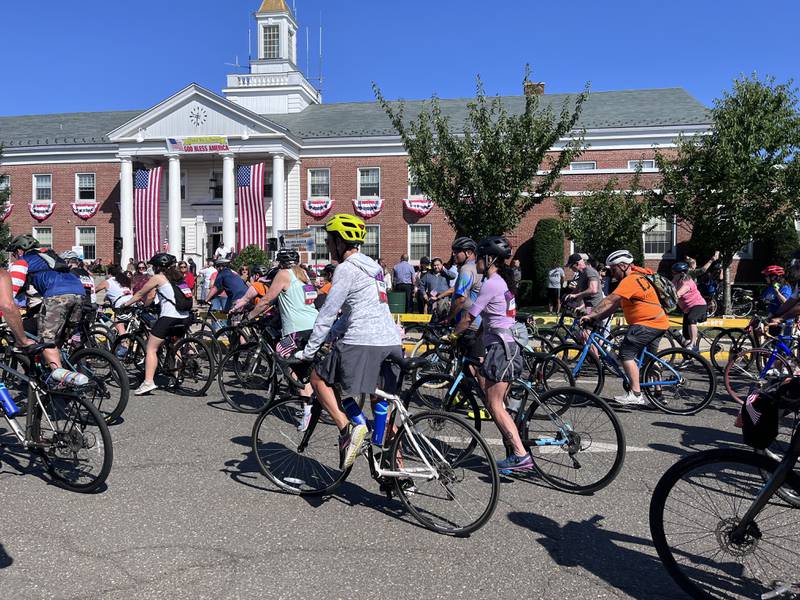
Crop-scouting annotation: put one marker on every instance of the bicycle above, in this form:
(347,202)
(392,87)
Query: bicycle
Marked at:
(430,458)
(64,430)
(677,381)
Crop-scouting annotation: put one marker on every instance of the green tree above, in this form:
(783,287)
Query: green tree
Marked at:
(250,255)
(5,198)
(483,174)
(547,251)
(741,181)
(607,219)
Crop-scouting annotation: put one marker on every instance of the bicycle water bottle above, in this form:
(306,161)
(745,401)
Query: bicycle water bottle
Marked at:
(68,377)
(353,412)
(380,412)
(9,406)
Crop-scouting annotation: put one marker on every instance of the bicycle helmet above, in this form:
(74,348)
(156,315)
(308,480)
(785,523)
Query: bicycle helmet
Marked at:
(23,242)
(222,262)
(328,270)
(494,245)
(71,255)
(774,270)
(287,257)
(680,267)
(163,260)
(260,270)
(272,273)
(464,243)
(620,257)
(349,227)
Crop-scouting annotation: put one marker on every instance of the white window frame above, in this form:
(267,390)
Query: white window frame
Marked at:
(78,188)
(5,183)
(78,239)
(378,227)
(308,176)
(211,192)
(633,164)
(746,253)
(358,183)
(35,233)
(665,255)
(410,181)
(264,30)
(592,165)
(414,261)
(34,188)
(315,229)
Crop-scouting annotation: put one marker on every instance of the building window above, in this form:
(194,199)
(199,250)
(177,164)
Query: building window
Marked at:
(87,237)
(42,187)
(372,245)
(183,185)
(583,165)
(216,184)
(272,41)
(85,184)
(369,183)
(419,241)
(44,235)
(5,183)
(659,238)
(746,253)
(319,183)
(414,190)
(644,164)
(267,184)
(320,254)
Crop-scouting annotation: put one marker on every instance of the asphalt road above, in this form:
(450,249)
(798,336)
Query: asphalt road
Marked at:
(187,515)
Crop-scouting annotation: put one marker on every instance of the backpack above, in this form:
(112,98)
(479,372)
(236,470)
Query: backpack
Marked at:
(54,261)
(184,301)
(667,296)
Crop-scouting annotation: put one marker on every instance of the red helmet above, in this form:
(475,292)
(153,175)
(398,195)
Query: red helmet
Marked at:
(773,270)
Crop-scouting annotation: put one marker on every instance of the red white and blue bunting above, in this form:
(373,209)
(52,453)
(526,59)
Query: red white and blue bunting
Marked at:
(41,209)
(418,206)
(318,207)
(6,212)
(368,208)
(85,210)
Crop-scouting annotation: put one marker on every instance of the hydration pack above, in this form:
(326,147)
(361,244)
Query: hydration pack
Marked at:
(184,301)
(667,295)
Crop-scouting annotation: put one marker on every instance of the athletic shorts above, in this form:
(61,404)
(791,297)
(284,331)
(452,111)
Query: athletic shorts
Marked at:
(57,314)
(696,314)
(499,365)
(360,369)
(553,294)
(636,338)
(167,326)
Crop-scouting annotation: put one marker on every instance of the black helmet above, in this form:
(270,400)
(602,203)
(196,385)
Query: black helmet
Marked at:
(328,270)
(424,261)
(272,273)
(494,245)
(680,267)
(259,270)
(23,242)
(163,260)
(287,257)
(464,243)
(222,262)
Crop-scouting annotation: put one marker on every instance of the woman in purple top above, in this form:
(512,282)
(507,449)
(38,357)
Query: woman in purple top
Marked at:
(503,362)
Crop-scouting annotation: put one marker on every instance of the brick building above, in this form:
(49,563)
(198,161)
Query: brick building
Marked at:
(71,174)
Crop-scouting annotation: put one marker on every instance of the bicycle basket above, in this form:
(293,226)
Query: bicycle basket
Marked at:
(761,412)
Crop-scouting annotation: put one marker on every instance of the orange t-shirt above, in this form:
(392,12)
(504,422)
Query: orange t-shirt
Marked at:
(325,288)
(261,289)
(640,303)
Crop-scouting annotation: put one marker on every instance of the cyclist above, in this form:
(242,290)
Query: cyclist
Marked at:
(790,308)
(327,276)
(643,312)
(118,291)
(691,302)
(588,289)
(774,296)
(356,361)
(77,268)
(10,312)
(258,286)
(465,292)
(503,362)
(163,284)
(226,281)
(62,293)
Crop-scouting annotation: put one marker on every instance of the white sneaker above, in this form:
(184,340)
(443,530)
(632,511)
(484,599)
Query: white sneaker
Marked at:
(145,388)
(630,399)
(305,419)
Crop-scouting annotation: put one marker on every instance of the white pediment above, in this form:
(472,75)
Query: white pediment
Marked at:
(195,111)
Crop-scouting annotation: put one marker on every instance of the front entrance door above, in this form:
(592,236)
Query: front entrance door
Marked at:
(214,239)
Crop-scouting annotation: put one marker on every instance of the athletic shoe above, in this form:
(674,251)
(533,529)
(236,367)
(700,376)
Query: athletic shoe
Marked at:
(305,419)
(515,463)
(145,388)
(630,399)
(350,442)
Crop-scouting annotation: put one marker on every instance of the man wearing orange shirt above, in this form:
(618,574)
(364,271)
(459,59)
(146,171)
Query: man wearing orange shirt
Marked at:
(643,312)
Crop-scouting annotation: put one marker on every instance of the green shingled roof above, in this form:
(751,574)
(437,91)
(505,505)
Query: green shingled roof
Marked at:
(634,108)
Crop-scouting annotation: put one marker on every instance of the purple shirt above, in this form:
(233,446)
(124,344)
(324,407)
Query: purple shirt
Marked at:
(403,273)
(498,308)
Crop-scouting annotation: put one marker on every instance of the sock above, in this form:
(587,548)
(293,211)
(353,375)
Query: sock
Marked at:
(306,409)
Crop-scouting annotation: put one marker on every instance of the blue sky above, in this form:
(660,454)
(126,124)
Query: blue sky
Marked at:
(91,55)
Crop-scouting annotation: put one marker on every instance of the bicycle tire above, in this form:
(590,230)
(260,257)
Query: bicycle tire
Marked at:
(709,522)
(434,391)
(594,431)
(112,384)
(727,343)
(193,366)
(591,376)
(438,440)
(71,433)
(312,472)
(545,371)
(746,372)
(686,396)
(247,380)
(130,349)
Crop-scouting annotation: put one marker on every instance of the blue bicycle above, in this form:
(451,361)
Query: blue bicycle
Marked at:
(677,381)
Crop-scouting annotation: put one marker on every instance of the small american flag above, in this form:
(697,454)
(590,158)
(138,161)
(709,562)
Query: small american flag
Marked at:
(147,211)
(252,216)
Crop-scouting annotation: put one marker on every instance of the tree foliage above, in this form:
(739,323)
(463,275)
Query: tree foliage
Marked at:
(547,252)
(250,255)
(5,231)
(483,174)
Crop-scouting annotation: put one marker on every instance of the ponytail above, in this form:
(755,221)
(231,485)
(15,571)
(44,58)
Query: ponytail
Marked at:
(507,273)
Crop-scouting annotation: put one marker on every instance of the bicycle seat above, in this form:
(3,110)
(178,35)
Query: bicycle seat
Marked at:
(178,330)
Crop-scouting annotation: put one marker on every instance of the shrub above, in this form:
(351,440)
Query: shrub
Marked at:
(251,255)
(547,246)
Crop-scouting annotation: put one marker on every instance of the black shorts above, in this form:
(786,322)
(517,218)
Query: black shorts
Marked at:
(636,338)
(553,295)
(501,364)
(696,314)
(360,369)
(167,326)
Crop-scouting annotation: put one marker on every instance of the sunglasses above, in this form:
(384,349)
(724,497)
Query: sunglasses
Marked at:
(142,268)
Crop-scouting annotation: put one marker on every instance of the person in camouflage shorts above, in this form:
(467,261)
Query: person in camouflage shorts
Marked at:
(59,314)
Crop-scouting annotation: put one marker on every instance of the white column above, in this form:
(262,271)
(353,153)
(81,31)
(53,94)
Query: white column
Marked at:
(126,209)
(174,203)
(228,202)
(278,196)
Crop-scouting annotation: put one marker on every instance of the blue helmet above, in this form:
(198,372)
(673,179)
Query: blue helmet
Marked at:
(680,267)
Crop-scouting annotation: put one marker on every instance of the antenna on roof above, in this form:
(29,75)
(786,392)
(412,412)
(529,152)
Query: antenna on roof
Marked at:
(249,42)
(235,64)
(320,51)
(294,9)
(307,53)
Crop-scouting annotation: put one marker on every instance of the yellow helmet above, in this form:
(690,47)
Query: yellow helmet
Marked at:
(350,227)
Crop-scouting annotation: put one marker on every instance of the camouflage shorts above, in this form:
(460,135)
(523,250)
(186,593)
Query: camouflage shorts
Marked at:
(54,314)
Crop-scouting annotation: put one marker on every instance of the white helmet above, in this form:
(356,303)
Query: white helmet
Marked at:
(620,257)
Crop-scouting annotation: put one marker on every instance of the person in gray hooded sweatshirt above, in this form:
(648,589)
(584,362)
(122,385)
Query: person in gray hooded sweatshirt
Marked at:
(356,362)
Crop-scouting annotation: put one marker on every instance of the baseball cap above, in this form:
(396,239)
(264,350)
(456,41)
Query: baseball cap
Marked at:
(574,258)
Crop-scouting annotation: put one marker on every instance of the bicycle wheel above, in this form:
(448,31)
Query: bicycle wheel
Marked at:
(555,335)
(741,305)
(462,495)
(298,462)
(751,369)
(686,381)
(539,343)
(112,389)
(545,371)
(194,367)
(591,374)
(435,391)
(130,349)
(778,449)
(247,380)
(696,506)
(575,438)
(73,441)
(727,343)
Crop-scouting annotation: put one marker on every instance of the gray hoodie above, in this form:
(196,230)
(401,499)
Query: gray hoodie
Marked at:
(355,289)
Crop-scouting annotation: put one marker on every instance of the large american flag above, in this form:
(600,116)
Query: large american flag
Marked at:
(147,211)
(252,216)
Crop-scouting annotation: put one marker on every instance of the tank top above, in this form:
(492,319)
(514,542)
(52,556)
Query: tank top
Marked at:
(167,305)
(115,291)
(297,306)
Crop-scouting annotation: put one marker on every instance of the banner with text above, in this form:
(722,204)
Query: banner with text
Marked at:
(198,145)
(301,240)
